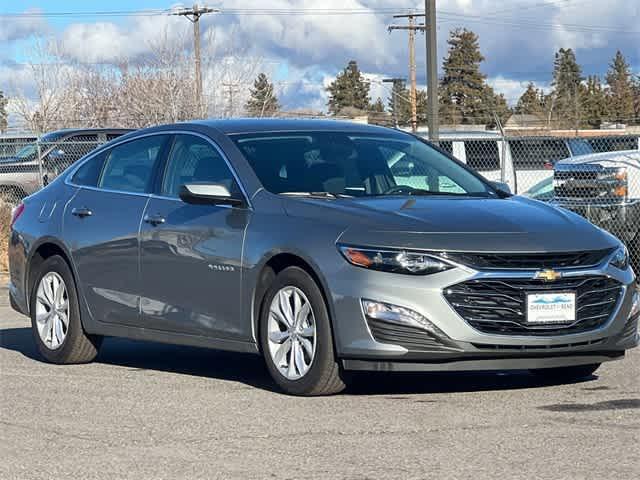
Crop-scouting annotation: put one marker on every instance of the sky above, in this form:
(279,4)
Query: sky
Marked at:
(303,53)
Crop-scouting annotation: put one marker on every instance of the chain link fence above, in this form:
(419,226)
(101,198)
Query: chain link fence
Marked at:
(604,187)
(605,190)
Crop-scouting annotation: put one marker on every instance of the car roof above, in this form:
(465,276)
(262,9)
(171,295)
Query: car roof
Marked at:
(65,132)
(264,125)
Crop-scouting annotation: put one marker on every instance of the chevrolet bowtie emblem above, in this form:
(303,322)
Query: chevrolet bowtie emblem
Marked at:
(548,275)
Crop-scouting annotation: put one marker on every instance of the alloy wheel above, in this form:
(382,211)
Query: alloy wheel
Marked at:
(52,310)
(291,332)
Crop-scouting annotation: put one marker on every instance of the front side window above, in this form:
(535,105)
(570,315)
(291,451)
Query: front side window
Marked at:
(195,160)
(341,163)
(129,167)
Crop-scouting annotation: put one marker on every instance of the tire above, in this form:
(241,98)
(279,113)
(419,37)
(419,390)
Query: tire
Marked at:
(315,369)
(567,373)
(75,346)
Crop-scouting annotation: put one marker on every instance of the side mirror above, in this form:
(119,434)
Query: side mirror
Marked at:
(208,193)
(502,187)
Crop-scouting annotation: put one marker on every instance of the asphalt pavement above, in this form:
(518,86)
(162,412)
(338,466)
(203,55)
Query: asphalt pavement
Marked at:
(153,411)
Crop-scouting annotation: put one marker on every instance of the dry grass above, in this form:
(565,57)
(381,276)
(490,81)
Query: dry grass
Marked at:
(5,221)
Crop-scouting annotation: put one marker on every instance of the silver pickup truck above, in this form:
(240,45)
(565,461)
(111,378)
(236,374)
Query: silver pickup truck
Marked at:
(604,188)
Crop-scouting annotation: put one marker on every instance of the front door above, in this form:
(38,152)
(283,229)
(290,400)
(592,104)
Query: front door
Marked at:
(191,255)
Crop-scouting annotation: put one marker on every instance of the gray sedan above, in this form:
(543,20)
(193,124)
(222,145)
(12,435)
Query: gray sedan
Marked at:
(323,246)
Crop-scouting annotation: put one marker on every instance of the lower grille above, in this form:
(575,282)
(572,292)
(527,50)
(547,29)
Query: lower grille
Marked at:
(498,306)
(411,338)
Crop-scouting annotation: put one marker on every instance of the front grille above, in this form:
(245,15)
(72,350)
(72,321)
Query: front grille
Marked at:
(591,182)
(534,261)
(498,306)
(411,338)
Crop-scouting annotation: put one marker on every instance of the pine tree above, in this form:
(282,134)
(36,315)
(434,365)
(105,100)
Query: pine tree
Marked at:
(262,101)
(620,90)
(377,106)
(567,90)
(530,102)
(349,89)
(636,100)
(465,96)
(594,103)
(399,103)
(3,112)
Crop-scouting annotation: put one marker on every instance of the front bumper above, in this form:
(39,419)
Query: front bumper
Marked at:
(365,345)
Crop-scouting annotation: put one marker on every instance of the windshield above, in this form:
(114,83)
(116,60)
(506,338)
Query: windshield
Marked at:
(580,147)
(358,165)
(27,152)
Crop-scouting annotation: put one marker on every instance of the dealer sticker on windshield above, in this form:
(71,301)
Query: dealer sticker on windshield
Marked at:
(551,308)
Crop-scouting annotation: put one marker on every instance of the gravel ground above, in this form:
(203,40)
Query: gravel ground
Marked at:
(156,411)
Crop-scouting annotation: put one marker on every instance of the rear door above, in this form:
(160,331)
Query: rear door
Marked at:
(102,221)
(191,255)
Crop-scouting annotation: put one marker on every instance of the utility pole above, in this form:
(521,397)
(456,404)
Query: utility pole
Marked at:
(432,71)
(412,28)
(396,83)
(193,15)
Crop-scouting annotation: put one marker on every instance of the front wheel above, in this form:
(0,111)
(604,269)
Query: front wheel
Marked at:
(55,315)
(576,372)
(295,336)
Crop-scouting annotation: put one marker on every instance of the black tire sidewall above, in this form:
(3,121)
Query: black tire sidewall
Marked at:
(324,355)
(58,265)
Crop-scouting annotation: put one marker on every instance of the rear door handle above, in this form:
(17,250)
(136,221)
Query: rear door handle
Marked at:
(154,220)
(81,212)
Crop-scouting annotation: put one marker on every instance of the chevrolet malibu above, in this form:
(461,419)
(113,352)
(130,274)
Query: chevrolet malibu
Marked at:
(323,246)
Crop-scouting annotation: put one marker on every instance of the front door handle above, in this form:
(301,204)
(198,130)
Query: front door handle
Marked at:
(154,220)
(81,212)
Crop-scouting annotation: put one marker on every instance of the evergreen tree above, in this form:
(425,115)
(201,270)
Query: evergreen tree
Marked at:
(377,106)
(349,89)
(399,103)
(566,96)
(620,90)
(262,101)
(530,102)
(636,100)
(594,103)
(3,112)
(465,96)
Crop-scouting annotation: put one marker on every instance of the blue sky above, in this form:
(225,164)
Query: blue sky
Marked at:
(517,37)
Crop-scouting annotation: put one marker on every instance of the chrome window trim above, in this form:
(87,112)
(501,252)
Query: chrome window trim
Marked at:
(71,173)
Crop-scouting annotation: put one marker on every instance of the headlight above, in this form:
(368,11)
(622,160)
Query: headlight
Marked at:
(399,261)
(620,258)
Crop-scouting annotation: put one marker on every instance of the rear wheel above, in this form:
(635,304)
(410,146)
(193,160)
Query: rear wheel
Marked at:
(295,336)
(55,315)
(576,372)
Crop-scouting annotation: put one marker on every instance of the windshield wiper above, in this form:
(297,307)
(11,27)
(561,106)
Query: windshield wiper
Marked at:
(420,192)
(316,194)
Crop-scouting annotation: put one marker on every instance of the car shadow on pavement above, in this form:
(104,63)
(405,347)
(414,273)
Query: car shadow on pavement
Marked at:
(250,369)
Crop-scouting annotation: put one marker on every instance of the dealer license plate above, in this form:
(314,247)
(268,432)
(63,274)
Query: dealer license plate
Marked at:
(550,308)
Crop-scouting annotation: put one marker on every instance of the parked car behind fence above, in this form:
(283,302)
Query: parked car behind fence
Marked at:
(39,161)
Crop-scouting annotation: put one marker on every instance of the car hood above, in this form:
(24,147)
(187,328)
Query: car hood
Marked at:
(513,224)
(605,159)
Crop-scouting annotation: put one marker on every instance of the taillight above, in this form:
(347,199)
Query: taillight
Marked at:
(16,212)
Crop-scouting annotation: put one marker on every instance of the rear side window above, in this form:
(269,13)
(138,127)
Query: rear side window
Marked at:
(129,167)
(534,153)
(611,144)
(87,175)
(482,155)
